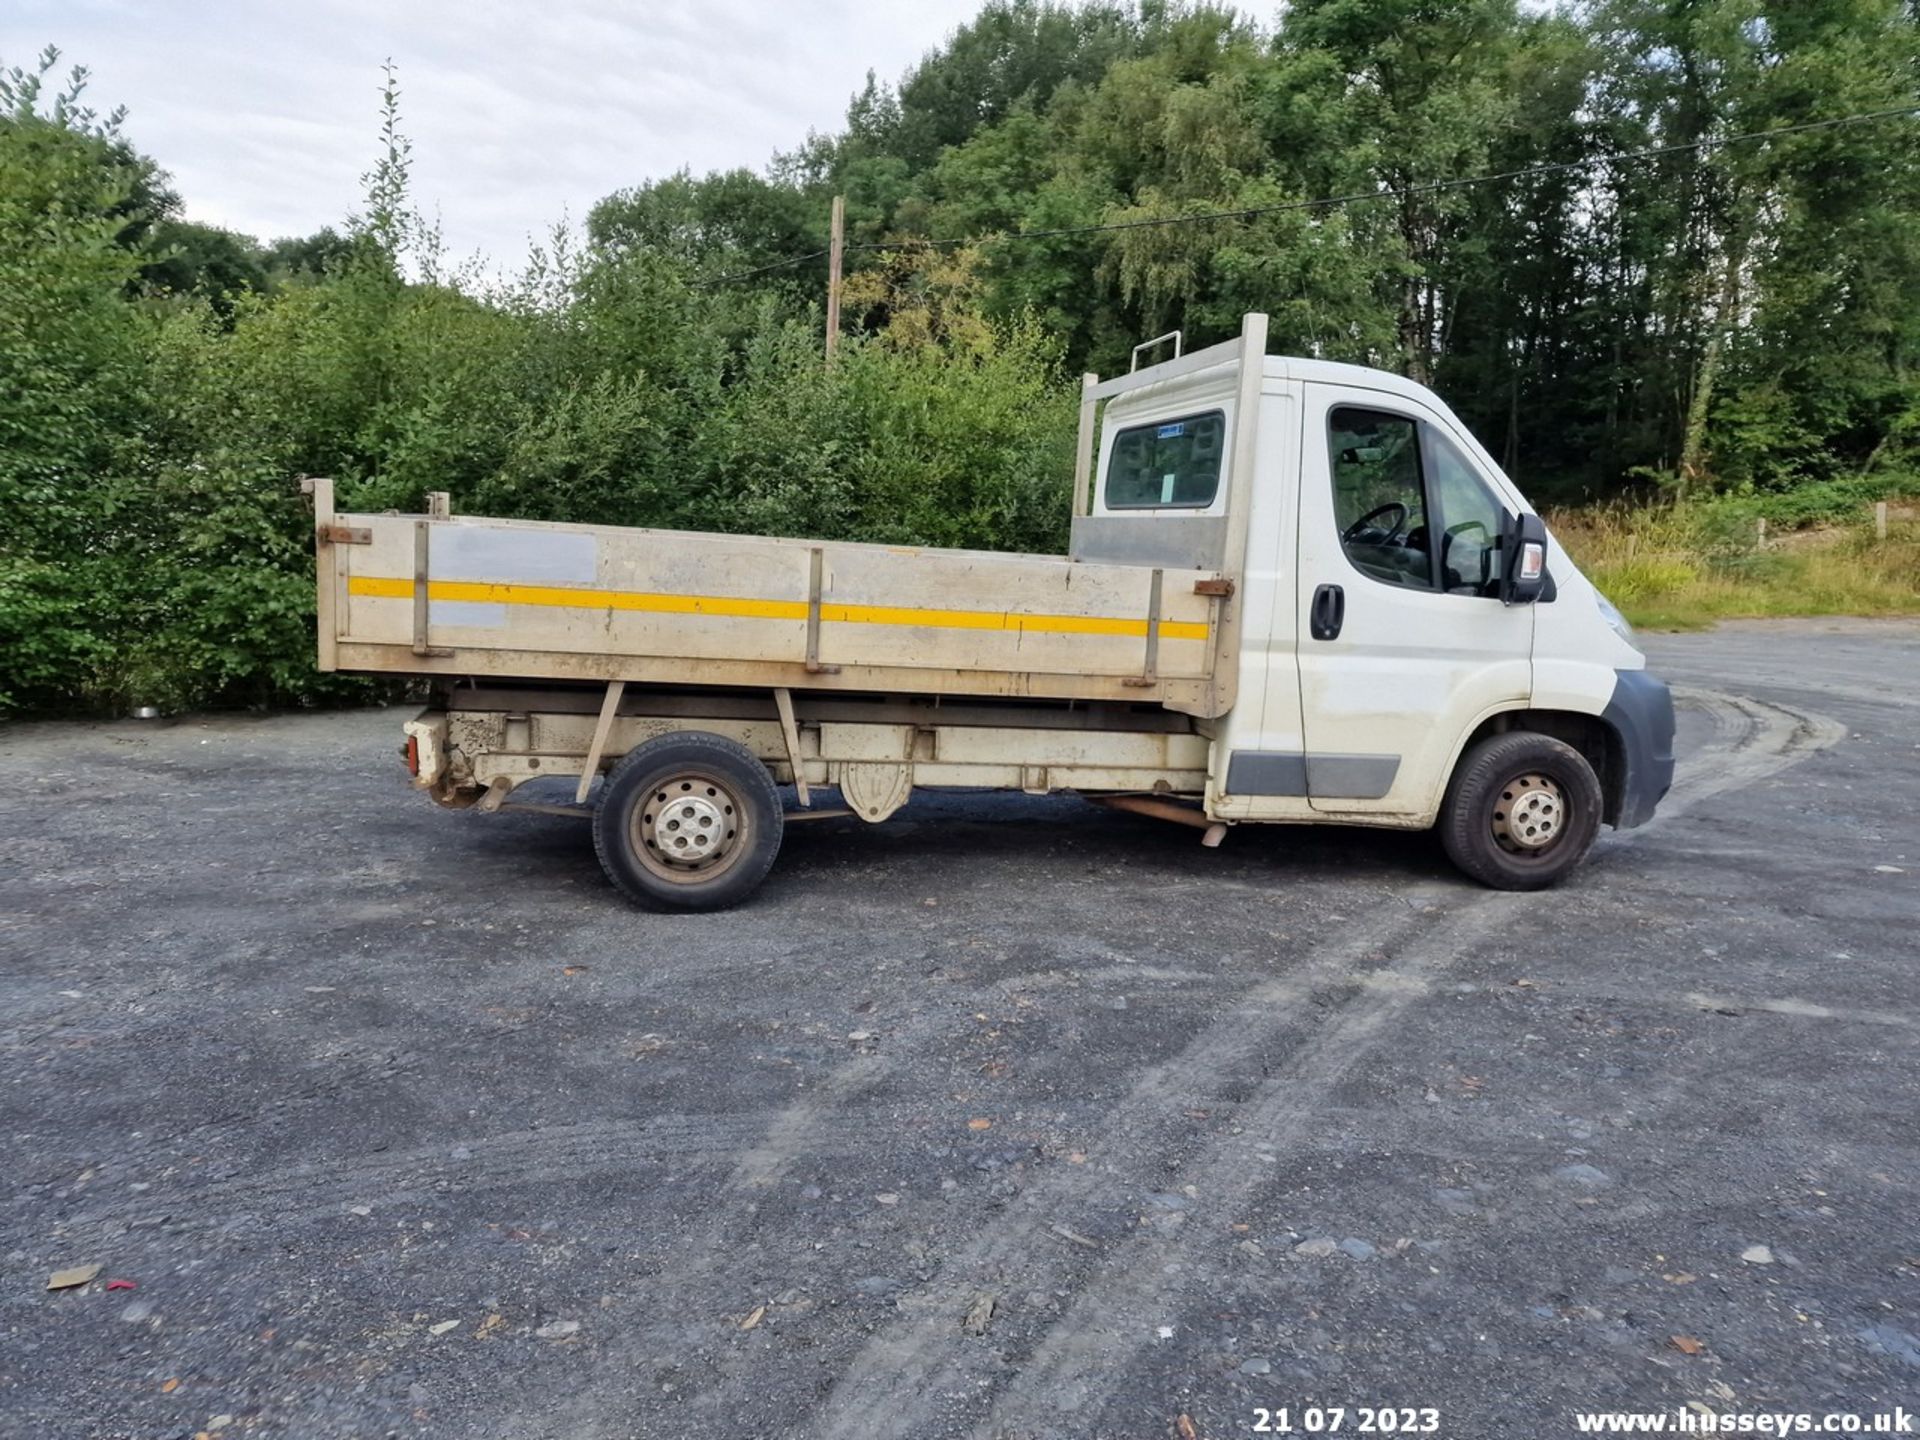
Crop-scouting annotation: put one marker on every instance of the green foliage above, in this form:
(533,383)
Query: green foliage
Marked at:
(69,373)
(1741,316)
(156,548)
(1683,566)
(1736,325)
(190,259)
(307,257)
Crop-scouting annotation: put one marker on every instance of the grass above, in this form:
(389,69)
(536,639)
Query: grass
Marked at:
(1686,567)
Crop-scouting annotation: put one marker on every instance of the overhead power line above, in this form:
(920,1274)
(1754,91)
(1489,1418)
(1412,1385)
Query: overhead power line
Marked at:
(763,269)
(1324,202)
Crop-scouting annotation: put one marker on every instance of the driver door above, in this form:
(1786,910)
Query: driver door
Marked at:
(1404,646)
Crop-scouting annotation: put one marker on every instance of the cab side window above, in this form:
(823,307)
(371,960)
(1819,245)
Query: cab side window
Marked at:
(1470,541)
(1379,500)
(1411,509)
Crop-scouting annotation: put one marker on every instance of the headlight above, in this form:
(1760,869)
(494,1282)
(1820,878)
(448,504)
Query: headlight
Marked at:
(1611,614)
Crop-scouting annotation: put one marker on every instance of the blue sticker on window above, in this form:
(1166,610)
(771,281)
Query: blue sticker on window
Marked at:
(1170,432)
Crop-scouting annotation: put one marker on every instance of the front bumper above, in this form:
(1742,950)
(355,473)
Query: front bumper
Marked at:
(1641,714)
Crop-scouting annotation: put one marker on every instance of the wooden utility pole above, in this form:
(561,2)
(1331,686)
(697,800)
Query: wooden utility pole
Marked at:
(835,247)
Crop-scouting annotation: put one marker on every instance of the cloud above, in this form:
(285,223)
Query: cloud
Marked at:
(267,116)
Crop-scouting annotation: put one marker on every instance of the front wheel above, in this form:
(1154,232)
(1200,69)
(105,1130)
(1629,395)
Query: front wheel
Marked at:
(1521,811)
(690,821)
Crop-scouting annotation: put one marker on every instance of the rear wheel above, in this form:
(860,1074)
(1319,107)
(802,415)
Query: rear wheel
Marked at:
(1521,811)
(690,821)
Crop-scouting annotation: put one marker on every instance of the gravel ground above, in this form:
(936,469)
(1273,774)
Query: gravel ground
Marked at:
(1007,1119)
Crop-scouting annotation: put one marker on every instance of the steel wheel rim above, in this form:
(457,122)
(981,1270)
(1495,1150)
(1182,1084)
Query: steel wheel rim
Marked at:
(690,827)
(1529,814)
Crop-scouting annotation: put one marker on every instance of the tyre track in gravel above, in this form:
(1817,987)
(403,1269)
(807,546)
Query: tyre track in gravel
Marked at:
(756,1143)
(1111,1318)
(907,1376)
(916,1377)
(1109,1321)
(759,1146)
(753,1143)
(1753,740)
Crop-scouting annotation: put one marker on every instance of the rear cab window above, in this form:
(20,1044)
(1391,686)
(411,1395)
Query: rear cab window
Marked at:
(1168,464)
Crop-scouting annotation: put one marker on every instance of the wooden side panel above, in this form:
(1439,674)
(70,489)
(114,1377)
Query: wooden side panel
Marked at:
(564,601)
(389,553)
(1003,613)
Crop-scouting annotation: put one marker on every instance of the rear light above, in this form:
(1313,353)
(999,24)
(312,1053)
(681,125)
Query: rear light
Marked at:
(424,751)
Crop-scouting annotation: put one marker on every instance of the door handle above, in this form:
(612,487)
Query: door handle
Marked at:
(1329,612)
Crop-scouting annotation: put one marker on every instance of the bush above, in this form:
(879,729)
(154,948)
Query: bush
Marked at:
(69,365)
(158,550)
(153,547)
(1686,566)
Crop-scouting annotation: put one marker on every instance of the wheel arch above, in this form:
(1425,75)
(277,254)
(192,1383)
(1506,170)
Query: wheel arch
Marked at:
(1597,741)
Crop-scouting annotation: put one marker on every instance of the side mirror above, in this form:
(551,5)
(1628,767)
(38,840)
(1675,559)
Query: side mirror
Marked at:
(1523,559)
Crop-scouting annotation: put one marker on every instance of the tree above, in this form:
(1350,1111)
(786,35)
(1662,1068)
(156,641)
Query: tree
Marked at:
(725,221)
(1426,95)
(1014,52)
(203,260)
(1635,243)
(307,257)
(68,374)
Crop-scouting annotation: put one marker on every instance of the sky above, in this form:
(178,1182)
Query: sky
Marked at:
(267,114)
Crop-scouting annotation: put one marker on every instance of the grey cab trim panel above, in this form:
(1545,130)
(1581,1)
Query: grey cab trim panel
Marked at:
(1324,777)
(1266,772)
(1351,777)
(1178,542)
(1641,715)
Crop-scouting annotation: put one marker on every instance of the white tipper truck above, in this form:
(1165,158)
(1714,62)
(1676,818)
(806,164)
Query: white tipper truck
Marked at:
(1297,592)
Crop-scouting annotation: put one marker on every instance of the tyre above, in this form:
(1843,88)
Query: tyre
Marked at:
(1521,811)
(689,821)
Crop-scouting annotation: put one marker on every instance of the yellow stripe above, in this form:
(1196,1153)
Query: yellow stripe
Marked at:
(1006,620)
(579,599)
(383,588)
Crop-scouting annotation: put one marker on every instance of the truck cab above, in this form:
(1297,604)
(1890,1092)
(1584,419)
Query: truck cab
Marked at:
(1383,630)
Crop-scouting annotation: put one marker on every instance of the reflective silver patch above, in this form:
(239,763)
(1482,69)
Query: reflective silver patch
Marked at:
(514,557)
